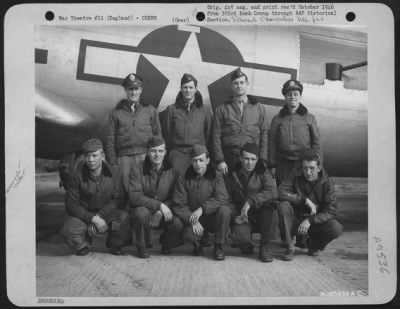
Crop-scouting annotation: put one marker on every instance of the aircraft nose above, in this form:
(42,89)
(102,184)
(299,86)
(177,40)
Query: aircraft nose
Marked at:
(59,110)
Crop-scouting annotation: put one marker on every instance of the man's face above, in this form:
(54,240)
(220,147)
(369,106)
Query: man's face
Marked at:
(248,160)
(94,159)
(239,86)
(200,163)
(156,154)
(310,170)
(133,93)
(293,98)
(188,91)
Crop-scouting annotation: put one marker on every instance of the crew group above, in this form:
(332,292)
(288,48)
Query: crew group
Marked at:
(194,172)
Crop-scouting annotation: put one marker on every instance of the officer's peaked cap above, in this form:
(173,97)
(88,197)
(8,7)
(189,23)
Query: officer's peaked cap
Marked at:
(132,80)
(292,84)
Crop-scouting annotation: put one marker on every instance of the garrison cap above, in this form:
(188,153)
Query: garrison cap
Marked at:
(292,84)
(236,74)
(198,150)
(251,148)
(132,80)
(308,154)
(155,141)
(91,145)
(187,78)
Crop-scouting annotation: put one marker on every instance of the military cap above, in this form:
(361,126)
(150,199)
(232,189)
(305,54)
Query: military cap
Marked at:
(251,148)
(187,78)
(132,80)
(292,84)
(236,74)
(308,154)
(91,145)
(155,141)
(198,150)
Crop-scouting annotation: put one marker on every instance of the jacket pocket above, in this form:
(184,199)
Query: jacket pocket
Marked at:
(301,135)
(253,132)
(284,136)
(179,128)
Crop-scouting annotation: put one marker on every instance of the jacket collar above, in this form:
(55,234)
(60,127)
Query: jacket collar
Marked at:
(301,110)
(147,165)
(124,104)
(106,170)
(251,100)
(209,174)
(198,100)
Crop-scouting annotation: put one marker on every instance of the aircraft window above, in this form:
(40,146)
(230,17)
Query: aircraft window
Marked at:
(344,48)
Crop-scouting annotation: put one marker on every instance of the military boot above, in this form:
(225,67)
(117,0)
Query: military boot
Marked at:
(265,255)
(219,253)
(142,253)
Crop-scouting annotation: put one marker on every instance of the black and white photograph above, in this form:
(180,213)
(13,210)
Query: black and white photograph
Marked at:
(200,154)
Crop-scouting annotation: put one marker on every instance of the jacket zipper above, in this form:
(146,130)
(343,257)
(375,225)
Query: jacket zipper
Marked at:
(186,126)
(97,194)
(241,124)
(291,129)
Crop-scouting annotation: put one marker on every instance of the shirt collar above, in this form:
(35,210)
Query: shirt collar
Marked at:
(240,100)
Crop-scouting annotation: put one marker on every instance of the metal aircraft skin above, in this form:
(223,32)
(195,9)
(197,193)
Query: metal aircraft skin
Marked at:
(79,69)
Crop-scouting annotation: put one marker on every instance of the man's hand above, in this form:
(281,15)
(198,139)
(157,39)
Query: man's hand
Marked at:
(312,206)
(273,172)
(198,229)
(166,212)
(244,211)
(195,216)
(303,227)
(223,168)
(100,223)
(155,219)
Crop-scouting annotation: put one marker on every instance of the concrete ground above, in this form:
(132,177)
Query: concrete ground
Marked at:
(341,268)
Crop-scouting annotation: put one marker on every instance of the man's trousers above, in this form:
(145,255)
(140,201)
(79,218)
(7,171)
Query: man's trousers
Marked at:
(75,231)
(320,234)
(171,237)
(263,221)
(217,223)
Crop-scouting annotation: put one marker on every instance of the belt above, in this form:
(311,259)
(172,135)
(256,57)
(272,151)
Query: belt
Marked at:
(183,149)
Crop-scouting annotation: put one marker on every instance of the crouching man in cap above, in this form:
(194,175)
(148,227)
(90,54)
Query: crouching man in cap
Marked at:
(188,122)
(150,195)
(201,202)
(131,124)
(238,121)
(252,190)
(308,206)
(293,129)
(94,202)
